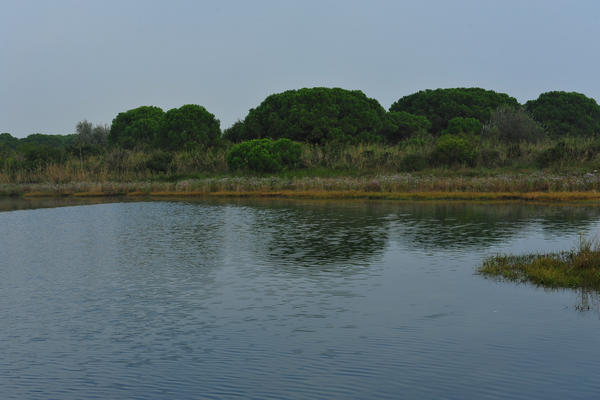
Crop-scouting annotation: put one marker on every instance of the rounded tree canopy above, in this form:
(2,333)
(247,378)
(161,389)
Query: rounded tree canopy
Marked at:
(186,126)
(315,115)
(566,113)
(137,127)
(441,105)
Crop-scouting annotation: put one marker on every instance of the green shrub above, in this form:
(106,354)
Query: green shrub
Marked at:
(264,155)
(459,125)
(513,125)
(563,150)
(159,161)
(489,158)
(453,149)
(35,156)
(413,162)
(287,152)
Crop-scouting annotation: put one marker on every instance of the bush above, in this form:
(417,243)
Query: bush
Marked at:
(264,155)
(287,152)
(467,126)
(413,162)
(453,149)
(489,158)
(159,161)
(513,125)
(117,160)
(563,150)
(35,156)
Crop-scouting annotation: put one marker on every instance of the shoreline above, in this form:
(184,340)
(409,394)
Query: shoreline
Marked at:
(509,187)
(589,196)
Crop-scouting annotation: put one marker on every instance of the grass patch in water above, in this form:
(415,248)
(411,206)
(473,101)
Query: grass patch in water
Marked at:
(576,268)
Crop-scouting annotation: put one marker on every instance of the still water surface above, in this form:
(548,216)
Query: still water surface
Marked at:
(289,299)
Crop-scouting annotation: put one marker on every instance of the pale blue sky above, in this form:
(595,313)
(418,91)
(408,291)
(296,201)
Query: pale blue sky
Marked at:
(63,61)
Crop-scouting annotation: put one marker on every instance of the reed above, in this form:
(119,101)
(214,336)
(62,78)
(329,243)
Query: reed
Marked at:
(370,168)
(577,268)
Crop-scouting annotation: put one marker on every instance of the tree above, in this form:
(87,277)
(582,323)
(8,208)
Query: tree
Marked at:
(513,125)
(8,141)
(314,115)
(236,132)
(100,134)
(187,126)
(402,125)
(136,127)
(83,129)
(441,105)
(566,113)
(56,141)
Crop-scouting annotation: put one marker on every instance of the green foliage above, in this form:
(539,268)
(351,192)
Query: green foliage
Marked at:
(566,113)
(8,141)
(287,152)
(136,128)
(235,133)
(56,141)
(513,125)
(402,125)
(40,155)
(453,149)
(441,105)
(467,126)
(414,162)
(159,161)
(187,126)
(89,135)
(489,158)
(315,115)
(264,155)
(568,150)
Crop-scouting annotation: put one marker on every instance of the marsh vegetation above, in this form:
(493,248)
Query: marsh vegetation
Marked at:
(576,268)
(462,139)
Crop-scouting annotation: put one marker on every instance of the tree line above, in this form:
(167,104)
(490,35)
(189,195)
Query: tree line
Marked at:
(454,118)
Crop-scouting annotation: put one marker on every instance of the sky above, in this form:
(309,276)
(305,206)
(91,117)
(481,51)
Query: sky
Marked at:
(63,61)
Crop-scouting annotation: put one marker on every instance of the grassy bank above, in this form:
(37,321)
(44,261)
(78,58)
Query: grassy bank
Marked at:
(564,170)
(416,156)
(577,268)
(538,187)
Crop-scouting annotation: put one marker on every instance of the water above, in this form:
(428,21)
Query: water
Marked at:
(288,299)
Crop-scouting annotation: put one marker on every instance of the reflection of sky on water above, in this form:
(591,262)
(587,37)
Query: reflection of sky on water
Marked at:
(326,299)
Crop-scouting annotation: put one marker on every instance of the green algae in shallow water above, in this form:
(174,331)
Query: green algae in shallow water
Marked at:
(577,268)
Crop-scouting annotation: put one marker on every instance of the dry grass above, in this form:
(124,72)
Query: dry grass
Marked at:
(268,188)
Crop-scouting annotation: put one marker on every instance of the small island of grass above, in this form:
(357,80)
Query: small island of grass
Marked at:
(577,268)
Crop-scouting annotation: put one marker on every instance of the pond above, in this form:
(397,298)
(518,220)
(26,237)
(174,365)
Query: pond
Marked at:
(289,299)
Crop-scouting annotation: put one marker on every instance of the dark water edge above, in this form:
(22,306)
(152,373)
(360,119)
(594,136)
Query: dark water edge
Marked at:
(31,203)
(234,298)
